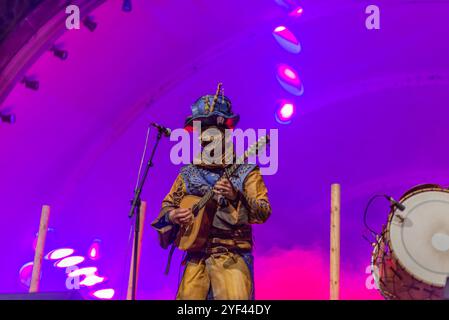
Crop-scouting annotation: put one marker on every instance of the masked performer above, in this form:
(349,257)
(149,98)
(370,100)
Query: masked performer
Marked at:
(223,268)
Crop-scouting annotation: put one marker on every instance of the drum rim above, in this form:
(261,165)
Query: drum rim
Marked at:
(420,188)
(374,257)
(408,195)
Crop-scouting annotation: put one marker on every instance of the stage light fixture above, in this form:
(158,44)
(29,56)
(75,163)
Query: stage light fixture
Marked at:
(90,24)
(104,294)
(286,39)
(8,118)
(25,273)
(285,112)
(91,280)
(59,253)
(94,250)
(127,6)
(289,79)
(31,84)
(60,53)
(69,261)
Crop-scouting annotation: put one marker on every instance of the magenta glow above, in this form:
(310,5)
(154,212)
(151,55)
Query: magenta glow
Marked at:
(25,273)
(289,79)
(94,250)
(287,73)
(297,12)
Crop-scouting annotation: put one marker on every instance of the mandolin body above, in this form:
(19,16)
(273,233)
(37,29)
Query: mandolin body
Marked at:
(194,236)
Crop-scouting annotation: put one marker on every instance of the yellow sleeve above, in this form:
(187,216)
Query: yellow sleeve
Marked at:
(166,230)
(255,198)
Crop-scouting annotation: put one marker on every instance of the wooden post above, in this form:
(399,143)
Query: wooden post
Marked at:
(335,243)
(142,213)
(39,253)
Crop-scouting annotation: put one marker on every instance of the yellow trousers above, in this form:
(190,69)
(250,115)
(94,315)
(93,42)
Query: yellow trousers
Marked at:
(225,275)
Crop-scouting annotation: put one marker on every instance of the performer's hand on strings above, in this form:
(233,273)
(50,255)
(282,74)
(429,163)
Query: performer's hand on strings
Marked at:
(181,216)
(225,188)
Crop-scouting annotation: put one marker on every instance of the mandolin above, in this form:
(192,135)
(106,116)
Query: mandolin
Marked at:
(193,237)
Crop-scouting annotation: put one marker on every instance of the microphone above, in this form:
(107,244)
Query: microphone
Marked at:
(394,203)
(162,129)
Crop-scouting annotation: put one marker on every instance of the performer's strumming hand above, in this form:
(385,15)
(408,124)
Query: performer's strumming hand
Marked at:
(225,189)
(180,216)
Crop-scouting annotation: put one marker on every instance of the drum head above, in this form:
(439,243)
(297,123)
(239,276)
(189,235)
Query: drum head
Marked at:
(419,236)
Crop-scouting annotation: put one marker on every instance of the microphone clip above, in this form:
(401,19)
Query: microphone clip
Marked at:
(395,203)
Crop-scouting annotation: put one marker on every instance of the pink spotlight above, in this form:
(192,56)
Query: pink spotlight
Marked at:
(104,294)
(289,79)
(82,272)
(94,250)
(288,74)
(91,280)
(69,262)
(285,112)
(93,253)
(286,39)
(297,12)
(25,273)
(59,253)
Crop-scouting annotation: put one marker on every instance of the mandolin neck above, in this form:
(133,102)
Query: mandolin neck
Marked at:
(209,194)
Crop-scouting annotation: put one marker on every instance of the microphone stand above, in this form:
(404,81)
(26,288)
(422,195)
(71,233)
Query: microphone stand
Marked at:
(135,211)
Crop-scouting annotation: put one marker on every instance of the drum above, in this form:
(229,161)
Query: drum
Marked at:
(410,260)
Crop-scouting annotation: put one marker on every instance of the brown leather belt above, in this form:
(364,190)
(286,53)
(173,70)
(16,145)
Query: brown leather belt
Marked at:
(217,246)
(241,234)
